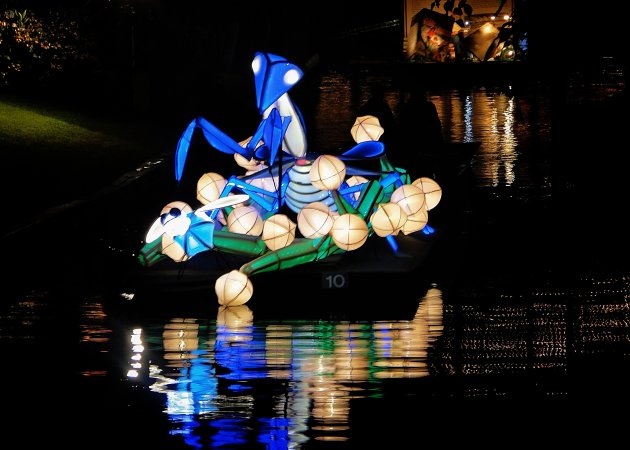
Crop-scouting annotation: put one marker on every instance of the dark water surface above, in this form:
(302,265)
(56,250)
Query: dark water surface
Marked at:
(517,332)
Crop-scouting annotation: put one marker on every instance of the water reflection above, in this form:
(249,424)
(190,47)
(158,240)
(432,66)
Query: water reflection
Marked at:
(210,372)
(510,124)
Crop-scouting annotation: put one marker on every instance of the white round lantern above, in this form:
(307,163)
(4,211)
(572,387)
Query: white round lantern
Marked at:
(233,288)
(349,231)
(278,231)
(209,187)
(245,220)
(432,191)
(314,220)
(172,249)
(409,197)
(388,219)
(174,218)
(327,172)
(366,128)
(354,181)
(416,222)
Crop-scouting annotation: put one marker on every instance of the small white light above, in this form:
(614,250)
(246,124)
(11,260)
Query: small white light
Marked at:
(137,348)
(256,64)
(291,77)
(132,373)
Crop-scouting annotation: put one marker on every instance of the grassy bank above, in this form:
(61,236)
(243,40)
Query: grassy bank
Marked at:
(53,156)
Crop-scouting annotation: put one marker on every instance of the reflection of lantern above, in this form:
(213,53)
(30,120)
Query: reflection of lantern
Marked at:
(366,128)
(349,231)
(409,197)
(278,231)
(233,288)
(245,220)
(314,220)
(172,249)
(174,218)
(209,187)
(388,219)
(327,172)
(432,191)
(416,222)
(235,317)
(356,180)
(180,337)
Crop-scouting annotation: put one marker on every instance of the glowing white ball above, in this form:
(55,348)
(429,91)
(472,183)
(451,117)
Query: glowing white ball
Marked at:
(366,128)
(354,181)
(432,191)
(416,222)
(172,249)
(209,187)
(388,219)
(233,288)
(409,197)
(278,231)
(174,218)
(349,231)
(245,220)
(327,172)
(314,220)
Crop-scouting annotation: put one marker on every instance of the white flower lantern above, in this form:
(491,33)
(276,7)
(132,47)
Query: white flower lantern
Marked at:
(209,187)
(245,220)
(416,222)
(233,288)
(388,219)
(278,231)
(349,231)
(172,249)
(432,191)
(366,128)
(327,172)
(314,220)
(410,198)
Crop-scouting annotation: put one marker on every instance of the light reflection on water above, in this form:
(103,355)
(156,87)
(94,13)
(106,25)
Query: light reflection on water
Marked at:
(506,121)
(231,377)
(209,370)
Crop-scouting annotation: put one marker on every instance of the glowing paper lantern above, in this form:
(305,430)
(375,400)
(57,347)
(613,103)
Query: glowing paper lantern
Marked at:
(278,231)
(349,231)
(366,128)
(355,180)
(174,218)
(432,191)
(172,249)
(233,288)
(327,172)
(210,186)
(314,220)
(388,219)
(245,220)
(416,222)
(409,197)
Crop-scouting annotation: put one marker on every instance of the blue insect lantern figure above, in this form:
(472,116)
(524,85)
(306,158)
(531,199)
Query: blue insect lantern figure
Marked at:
(332,205)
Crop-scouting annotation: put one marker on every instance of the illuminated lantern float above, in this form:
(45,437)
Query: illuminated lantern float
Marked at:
(335,207)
